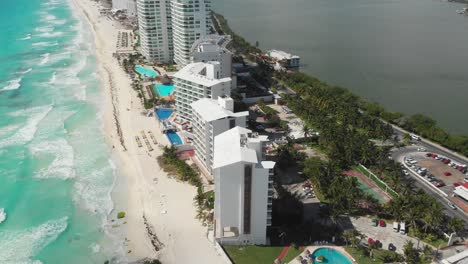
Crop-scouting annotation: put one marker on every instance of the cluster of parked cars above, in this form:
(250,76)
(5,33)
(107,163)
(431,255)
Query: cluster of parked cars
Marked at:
(421,171)
(460,167)
(308,190)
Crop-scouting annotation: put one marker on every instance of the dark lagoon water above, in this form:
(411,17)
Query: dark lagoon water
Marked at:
(409,55)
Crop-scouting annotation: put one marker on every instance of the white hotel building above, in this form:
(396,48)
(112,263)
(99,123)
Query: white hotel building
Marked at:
(243,188)
(196,81)
(210,118)
(155,29)
(213,48)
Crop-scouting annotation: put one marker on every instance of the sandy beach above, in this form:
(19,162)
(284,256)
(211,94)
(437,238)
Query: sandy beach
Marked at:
(144,191)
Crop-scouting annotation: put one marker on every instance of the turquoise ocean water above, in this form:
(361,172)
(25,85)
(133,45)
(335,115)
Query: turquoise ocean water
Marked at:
(56,175)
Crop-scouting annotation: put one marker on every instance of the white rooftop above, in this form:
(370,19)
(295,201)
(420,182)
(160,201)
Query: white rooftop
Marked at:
(279,54)
(228,149)
(462,191)
(220,41)
(202,73)
(210,110)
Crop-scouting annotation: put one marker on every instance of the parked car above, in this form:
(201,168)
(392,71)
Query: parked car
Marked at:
(447,173)
(446,161)
(391,247)
(405,172)
(456,184)
(415,137)
(429,155)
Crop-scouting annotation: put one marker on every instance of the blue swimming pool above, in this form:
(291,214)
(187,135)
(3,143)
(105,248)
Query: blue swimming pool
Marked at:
(174,138)
(331,256)
(163,89)
(163,113)
(146,72)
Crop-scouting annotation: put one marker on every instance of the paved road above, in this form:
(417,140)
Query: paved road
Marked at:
(400,153)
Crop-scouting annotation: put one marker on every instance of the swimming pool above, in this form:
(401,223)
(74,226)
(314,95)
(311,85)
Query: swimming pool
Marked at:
(163,89)
(164,113)
(331,256)
(174,138)
(146,72)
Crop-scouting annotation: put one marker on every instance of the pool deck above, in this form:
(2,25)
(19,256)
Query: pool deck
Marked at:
(313,248)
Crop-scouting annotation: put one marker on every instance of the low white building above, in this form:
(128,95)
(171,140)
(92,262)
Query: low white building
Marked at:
(243,188)
(213,48)
(462,191)
(210,118)
(129,5)
(196,81)
(285,59)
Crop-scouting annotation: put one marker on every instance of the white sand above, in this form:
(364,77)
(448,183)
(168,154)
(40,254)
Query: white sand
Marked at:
(183,237)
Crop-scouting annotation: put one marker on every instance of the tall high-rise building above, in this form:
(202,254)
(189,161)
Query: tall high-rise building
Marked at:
(191,20)
(154,23)
(168,28)
(196,81)
(243,188)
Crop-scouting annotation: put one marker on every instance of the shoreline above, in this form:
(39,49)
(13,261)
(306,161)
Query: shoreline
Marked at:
(160,219)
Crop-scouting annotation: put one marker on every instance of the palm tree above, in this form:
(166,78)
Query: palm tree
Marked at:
(455,224)
(306,130)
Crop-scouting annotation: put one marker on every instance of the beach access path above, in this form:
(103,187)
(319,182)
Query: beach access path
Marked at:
(146,191)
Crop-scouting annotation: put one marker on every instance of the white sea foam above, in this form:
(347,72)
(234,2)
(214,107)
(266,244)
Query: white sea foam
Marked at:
(12,85)
(53,78)
(45,58)
(3,215)
(62,166)
(8,129)
(20,246)
(49,17)
(26,71)
(96,248)
(50,35)
(45,44)
(58,22)
(28,36)
(57,57)
(45,29)
(27,132)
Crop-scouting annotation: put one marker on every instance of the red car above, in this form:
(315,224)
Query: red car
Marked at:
(446,161)
(447,173)
(456,184)
(434,156)
(307,185)
(382,223)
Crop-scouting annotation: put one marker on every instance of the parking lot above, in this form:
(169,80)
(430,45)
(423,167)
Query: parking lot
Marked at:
(441,172)
(385,235)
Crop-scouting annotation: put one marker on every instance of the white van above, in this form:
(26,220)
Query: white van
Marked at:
(402,228)
(395,226)
(415,137)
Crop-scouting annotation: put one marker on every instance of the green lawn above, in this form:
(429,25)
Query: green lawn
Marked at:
(292,253)
(253,254)
(361,258)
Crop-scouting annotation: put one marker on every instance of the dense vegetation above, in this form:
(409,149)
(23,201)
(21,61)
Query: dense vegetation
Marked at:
(171,163)
(345,130)
(421,125)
